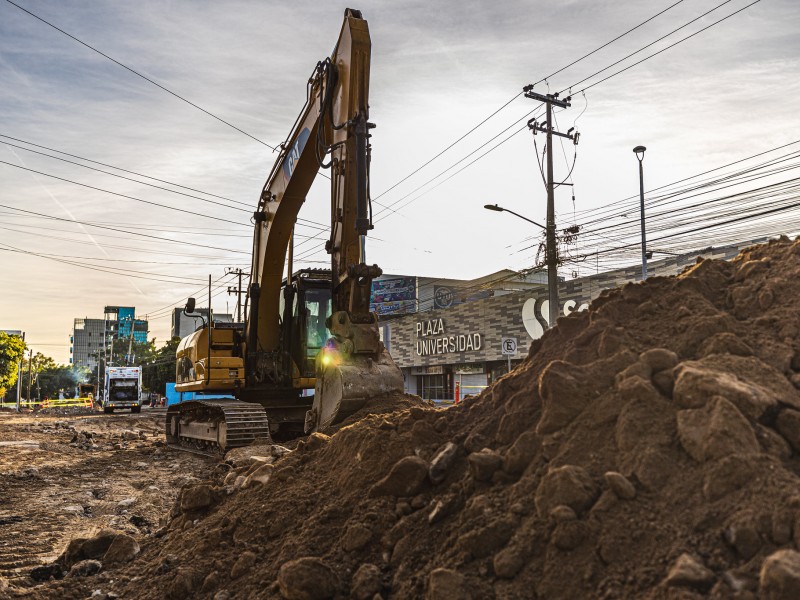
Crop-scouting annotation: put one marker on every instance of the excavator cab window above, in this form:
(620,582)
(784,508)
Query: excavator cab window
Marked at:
(318,309)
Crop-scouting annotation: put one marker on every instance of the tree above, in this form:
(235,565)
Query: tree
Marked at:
(38,364)
(141,352)
(12,349)
(161,368)
(61,378)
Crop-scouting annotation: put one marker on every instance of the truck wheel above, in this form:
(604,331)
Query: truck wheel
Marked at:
(108,410)
(136,409)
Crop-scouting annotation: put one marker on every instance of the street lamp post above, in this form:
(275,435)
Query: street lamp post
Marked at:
(552,278)
(639,152)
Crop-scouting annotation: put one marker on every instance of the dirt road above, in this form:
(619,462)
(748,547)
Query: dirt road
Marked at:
(66,475)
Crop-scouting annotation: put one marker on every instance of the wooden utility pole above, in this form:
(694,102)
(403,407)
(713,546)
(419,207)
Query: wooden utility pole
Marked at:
(551,258)
(30,363)
(238,290)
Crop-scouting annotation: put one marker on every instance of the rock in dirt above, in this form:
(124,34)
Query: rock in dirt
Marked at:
(47,572)
(689,572)
(521,453)
(95,547)
(620,485)
(405,478)
(307,579)
(85,568)
(696,384)
(366,582)
(788,425)
(243,564)
(260,476)
(122,550)
(508,562)
(446,584)
(198,497)
(570,485)
(780,576)
(242,457)
(356,537)
(715,431)
(483,464)
(441,463)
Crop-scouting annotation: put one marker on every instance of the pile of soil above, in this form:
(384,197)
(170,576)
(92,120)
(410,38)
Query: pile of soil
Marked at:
(647,448)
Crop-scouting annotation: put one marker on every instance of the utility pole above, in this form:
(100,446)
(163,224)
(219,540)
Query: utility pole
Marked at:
(639,152)
(236,290)
(130,341)
(550,100)
(19,377)
(30,364)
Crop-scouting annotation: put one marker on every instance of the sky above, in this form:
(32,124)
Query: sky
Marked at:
(438,70)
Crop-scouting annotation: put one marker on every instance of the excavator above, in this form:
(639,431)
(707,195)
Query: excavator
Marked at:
(309,330)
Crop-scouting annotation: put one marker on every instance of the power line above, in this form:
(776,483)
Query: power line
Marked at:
(118,247)
(622,70)
(663,49)
(91,187)
(121,169)
(632,29)
(158,187)
(127,68)
(515,96)
(155,237)
(122,272)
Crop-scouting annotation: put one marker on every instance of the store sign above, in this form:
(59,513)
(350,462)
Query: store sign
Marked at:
(394,308)
(536,311)
(433,339)
(443,296)
(394,290)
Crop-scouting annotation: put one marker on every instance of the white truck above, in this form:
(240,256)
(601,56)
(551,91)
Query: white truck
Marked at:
(122,388)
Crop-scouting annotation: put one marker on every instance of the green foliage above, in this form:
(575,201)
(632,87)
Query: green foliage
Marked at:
(140,352)
(12,349)
(161,369)
(61,378)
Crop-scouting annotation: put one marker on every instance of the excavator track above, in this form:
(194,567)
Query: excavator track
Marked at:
(212,427)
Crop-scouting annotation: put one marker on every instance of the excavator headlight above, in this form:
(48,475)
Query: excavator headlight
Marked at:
(329,356)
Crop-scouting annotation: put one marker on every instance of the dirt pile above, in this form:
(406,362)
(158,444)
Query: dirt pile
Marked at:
(647,448)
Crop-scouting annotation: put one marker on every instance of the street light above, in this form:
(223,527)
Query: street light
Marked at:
(496,208)
(639,152)
(552,277)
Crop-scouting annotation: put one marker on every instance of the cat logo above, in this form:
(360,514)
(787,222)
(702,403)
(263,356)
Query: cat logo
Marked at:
(293,156)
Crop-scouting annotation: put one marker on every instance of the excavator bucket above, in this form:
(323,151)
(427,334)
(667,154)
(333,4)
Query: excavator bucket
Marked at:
(344,386)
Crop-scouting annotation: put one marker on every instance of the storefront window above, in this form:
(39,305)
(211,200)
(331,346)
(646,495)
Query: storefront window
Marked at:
(435,387)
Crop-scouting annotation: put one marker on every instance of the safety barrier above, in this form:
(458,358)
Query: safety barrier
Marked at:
(61,402)
(25,403)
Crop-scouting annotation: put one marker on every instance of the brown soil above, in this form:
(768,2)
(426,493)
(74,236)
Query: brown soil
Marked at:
(73,474)
(647,448)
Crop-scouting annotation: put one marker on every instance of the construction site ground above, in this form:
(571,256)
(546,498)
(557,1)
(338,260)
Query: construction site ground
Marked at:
(67,474)
(648,448)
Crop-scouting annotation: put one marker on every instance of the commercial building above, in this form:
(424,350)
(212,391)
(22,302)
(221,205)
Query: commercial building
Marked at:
(183,325)
(394,295)
(93,337)
(447,353)
(87,342)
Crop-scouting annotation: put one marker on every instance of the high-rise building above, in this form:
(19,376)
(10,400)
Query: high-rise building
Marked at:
(92,338)
(87,342)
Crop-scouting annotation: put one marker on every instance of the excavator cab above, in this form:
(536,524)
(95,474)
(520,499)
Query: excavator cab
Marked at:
(305,307)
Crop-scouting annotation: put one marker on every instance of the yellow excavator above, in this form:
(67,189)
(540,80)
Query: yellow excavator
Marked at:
(312,329)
